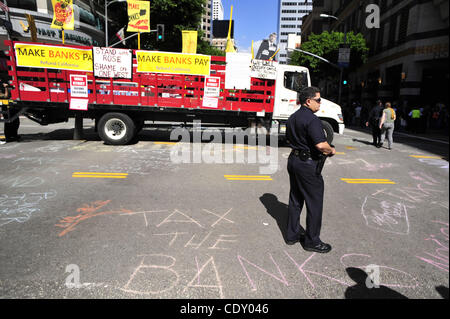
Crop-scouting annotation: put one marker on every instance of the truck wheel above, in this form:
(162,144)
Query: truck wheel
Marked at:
(116,128)
(328,129)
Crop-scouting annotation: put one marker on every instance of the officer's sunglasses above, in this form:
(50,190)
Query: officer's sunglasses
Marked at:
(318,100)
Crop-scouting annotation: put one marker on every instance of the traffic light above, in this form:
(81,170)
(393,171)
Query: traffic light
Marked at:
(160,32)
(345,82)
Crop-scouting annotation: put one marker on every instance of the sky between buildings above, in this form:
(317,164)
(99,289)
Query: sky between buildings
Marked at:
(254,20)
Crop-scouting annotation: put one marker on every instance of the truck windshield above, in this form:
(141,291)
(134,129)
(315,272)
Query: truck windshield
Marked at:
(295,81)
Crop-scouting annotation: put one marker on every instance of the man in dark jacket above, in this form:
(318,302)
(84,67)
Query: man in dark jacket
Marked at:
(12,127)
(374,121)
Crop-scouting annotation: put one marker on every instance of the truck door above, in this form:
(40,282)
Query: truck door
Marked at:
(290,80)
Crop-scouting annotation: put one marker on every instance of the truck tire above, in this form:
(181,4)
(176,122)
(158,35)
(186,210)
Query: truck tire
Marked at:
(116,128)
(329,133)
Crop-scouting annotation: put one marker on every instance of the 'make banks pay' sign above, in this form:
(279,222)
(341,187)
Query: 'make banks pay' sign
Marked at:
(173,63)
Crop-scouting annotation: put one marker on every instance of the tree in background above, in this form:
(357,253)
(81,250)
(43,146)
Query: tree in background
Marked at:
(326,45)
(176,15)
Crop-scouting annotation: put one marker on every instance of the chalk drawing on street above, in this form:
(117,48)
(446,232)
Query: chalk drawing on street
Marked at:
(20,208)
(385,215)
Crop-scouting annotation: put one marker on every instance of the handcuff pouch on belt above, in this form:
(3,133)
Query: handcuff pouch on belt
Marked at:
(302,154)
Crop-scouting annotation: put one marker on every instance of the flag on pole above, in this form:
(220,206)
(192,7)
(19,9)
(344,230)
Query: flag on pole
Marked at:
(138,16)
(63,16)
(189,41)
(230,46)
(121,35)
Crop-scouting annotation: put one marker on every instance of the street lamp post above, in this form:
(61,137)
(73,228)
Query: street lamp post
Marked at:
(106,18)
(323,15)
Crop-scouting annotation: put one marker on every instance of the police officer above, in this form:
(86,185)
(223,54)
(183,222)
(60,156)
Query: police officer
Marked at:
(305,134)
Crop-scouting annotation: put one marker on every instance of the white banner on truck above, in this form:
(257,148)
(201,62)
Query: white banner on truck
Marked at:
(78,104)
(264,69)
(211,102)
(112,63)
(237,71)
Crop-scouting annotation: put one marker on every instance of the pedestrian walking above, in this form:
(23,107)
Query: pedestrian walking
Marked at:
(304,131)
(358,115)
(415,116)
(387,125)
(374,122)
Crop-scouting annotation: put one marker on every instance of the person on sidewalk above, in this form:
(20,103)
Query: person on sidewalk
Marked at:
(374,121)
(304,131)
(415,116)
(10,129)
(387,124)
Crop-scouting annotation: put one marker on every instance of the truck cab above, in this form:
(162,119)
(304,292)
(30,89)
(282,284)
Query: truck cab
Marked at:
(290,80)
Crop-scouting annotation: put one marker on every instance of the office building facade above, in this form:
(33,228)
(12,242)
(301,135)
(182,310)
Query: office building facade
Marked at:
(409,49)
(290,16)
(88,30)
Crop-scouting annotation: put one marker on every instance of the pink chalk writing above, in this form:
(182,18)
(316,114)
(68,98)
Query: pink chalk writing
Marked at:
(438,257)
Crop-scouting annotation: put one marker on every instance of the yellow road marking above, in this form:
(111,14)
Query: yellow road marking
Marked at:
(99,175)
(165,143)
(246,147)
(367,181)
(248,178)
(340,153)
(350,148)
(423,156)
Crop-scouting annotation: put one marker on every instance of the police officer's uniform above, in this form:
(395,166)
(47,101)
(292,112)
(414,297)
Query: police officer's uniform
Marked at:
(304,130)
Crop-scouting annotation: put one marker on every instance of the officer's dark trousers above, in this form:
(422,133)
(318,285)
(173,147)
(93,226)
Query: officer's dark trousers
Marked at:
(306,187)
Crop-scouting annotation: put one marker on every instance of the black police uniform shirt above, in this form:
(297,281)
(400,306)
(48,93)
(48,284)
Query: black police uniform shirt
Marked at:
(304,131)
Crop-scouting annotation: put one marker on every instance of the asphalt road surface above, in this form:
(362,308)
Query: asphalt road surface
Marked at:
(80,219)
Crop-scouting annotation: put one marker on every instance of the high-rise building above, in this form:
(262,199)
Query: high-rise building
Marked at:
(205,23)
(213,11)
(290,16)
(217,10)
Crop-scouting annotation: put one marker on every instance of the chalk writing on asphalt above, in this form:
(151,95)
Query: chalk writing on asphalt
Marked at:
(21,207)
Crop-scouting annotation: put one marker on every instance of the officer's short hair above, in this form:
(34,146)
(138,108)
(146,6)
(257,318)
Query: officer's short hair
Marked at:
(307,93)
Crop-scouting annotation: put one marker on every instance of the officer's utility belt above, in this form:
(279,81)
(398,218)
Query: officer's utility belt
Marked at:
(302,154)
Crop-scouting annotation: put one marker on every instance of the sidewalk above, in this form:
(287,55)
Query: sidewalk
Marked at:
(436,135)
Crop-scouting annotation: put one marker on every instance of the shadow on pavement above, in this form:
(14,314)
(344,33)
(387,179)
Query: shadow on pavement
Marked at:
(160,134)
(443,291)
(360,290)
(278,211)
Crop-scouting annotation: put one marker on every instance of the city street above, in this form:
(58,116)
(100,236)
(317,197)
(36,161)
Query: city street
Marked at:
(81,219)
